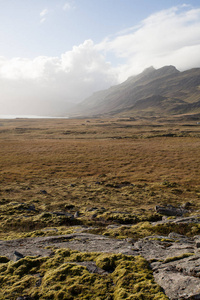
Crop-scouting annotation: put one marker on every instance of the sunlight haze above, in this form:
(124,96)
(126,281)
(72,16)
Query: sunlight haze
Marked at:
(54,54)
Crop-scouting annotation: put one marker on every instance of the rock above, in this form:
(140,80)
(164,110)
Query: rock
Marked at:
(175,263)
(113,226)
(92,267)
(174,259)
(186,205)
(93,216)
(180,220)
(197,242)
(102,208)
(58,213)
(69,206)
(43,192)
(177,285)
(77,214)
(179,278)
(188,220)
(25,246)
(161,247)
(31,207)
(61,213)
(84,242)
(91,208)
(130,240)
(17,256)
(177,236)
(170,210)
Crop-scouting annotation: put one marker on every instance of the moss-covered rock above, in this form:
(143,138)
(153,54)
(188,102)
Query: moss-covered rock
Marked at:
(62,277)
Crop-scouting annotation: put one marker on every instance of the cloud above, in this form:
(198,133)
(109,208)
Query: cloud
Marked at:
(68,6)
(168,37)
(43,14)
(45,85)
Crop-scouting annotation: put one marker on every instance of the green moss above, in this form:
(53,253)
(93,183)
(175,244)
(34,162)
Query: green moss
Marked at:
(82,256)
(139,230)
(144,229)
(136,231)
(134,280)
(107,263)
(3,259)
(161,239)
(174,258)
(61,277)
(122,218)
(48,231)
(128,218)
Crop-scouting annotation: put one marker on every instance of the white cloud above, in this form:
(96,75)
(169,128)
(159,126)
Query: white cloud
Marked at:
(68,6)
(168,37)
(45,84)
(43,14)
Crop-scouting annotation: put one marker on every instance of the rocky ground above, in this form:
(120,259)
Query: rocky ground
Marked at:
(174,259)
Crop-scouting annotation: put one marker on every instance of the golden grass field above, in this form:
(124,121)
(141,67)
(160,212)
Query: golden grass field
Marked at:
(120,164)
(106,172)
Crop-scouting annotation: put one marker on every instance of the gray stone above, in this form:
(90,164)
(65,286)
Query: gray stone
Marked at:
(158,247)
(65,214)
(170,210)
(92,208)
(186,205)
(174,259)
(43,192)
(17,256)
(77,214)
(179,278)
(177,285)
(78,241)
(91,266)
(198,243)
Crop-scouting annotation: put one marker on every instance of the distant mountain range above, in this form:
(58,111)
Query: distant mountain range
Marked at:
(164,91)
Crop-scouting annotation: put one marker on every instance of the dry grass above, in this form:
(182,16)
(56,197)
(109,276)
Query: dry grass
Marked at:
(118,164)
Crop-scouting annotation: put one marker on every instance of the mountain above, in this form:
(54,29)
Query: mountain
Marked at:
(153,92)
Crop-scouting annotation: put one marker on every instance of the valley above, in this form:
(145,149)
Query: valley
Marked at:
(87,180)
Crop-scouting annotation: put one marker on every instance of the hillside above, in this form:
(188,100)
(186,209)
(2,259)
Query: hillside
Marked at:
(153,92)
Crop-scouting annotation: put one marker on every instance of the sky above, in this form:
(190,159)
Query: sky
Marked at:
(56,53)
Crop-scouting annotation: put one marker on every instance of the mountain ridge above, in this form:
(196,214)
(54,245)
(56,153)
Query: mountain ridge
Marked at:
(154,91)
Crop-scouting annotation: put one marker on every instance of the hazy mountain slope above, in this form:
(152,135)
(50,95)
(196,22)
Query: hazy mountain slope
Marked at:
(165,90)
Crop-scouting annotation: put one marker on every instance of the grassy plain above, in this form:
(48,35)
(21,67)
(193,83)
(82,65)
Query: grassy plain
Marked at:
(105,172)
(118,165)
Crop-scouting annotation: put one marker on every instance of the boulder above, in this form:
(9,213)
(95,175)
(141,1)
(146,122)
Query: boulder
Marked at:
(170,210)
(17,256)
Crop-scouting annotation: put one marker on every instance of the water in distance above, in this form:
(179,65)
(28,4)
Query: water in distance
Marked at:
(29,117)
